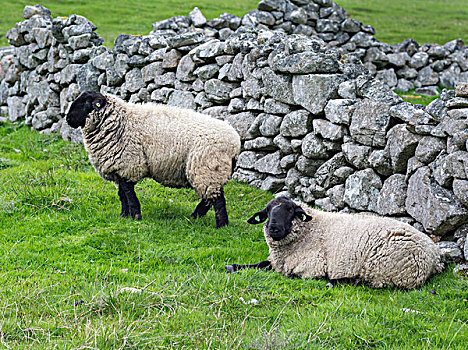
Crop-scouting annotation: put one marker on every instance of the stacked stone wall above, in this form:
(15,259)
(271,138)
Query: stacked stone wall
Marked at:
(314,121)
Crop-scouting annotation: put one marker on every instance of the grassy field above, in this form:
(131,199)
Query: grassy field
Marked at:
(67,257)
(68,260)
(425,21)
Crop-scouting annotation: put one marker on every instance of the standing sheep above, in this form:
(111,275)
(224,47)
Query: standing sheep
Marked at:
(376,251)
(176,147)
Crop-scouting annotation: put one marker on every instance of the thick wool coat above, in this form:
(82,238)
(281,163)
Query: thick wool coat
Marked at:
(377,251)
(176,147)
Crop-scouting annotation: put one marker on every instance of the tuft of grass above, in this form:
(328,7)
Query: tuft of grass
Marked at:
(412,97)
(73,274)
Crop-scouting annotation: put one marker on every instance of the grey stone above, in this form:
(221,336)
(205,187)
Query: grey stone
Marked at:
(218,91)
(284,144)
(362,39)
(436,208)
(307,62)
(401,146)
(398,59)
(362,189)
(171,59)
(314,90)
(407,73)
(251,87)
(369,123)
(454,121)
(350,26)
(16,108)
(185,39)
(357,155)
(236,105)
(80,41)
(419,60)
(151,72)
(278,86)
(339,111)
(295,124)
(206,72)
(328,130)
(241,123)
(87,77)
(196,17)
(270,125)
(185,69)
(388,76)
(269,164)
(260,144)
(457,102)
(30,11)
(183,99)
(428,148)
(461,89)
(272,5)
(313,147)
(134,80)
(427,90)
(288,161)
(392,196)
(275,107)
(209,49)
(460,189)
(272,184)
(104,60)
(427,77)
(380,162)
(347,90)
(308,166)
(328,174)
(404,85)
(446,167)
(336,195)
(450,252)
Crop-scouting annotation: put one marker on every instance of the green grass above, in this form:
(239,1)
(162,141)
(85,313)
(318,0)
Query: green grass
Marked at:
(65,255)
(426,21)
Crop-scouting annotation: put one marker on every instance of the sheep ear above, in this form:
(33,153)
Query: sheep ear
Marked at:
(258,217)
(301,214)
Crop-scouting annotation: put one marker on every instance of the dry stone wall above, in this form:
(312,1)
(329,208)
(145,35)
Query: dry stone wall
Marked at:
(295,80)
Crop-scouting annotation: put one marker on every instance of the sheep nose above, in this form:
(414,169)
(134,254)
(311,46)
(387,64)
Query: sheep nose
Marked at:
(275,232)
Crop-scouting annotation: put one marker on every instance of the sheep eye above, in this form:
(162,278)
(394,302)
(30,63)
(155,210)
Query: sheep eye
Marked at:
(98,104)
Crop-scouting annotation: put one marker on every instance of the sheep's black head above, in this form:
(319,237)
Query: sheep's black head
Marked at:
(87,102)
(280,213)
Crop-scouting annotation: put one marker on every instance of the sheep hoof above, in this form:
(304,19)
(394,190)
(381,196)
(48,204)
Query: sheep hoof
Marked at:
(330,285)
(230,268)
(136,216)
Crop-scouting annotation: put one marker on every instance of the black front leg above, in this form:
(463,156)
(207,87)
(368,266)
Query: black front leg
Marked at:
(264,265)
(201,209)
(128,190)
(221,214)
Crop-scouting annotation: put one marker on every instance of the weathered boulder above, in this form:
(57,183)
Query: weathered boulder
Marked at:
(435,207)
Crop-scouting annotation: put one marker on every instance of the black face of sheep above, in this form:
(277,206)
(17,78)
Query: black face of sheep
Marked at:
(281,212)
(87,102)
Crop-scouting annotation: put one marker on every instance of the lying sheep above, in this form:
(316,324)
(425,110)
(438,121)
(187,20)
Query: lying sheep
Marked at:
(372,250)
(176,147)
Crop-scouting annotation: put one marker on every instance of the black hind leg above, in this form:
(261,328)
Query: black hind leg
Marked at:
(201,209)
(132,206)
(123,200)
(221,214)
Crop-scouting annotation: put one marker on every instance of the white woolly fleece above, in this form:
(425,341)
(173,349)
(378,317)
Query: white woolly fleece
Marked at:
(378,251)
(174,146)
